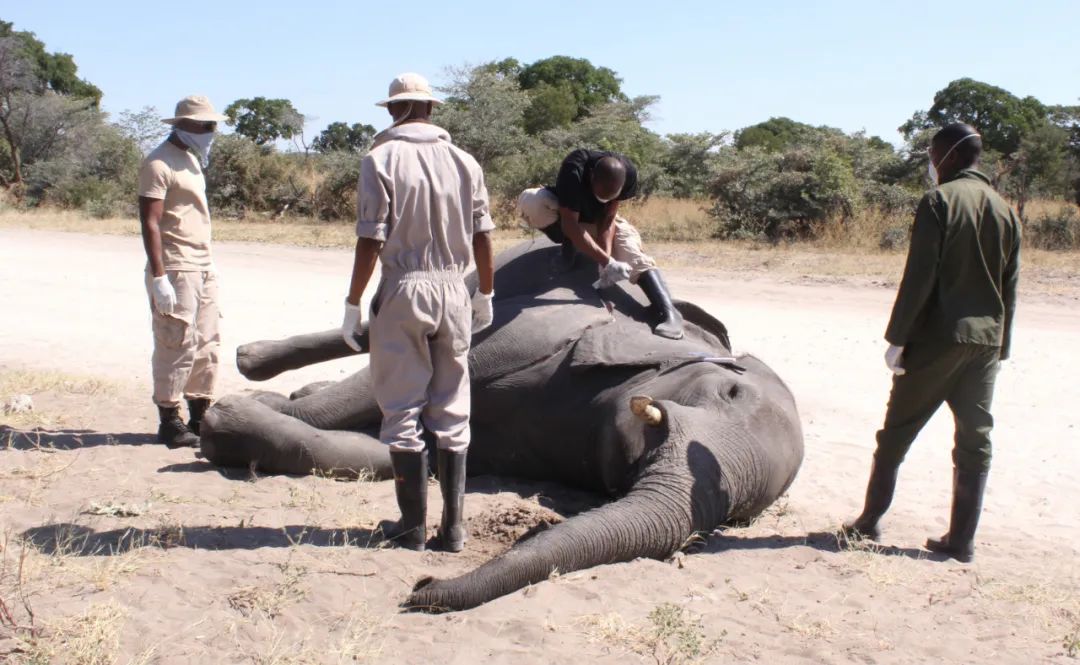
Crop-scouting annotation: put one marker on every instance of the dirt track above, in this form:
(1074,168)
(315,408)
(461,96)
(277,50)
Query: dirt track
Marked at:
(769,592)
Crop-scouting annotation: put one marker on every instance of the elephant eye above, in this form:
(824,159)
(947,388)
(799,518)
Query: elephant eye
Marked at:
(733,391)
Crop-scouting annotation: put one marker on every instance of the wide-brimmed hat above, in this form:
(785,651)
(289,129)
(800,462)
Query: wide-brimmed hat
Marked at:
(409,87)
(195,107)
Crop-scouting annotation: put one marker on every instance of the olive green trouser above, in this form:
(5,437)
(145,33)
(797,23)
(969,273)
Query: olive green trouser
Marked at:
(960,375)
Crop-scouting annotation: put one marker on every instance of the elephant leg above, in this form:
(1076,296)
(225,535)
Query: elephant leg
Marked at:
(311,389)
(347,404)
(242,432)
(275,401)
(259,361)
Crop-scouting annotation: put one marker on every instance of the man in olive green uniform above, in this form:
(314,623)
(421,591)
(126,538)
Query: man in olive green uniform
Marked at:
(949,330)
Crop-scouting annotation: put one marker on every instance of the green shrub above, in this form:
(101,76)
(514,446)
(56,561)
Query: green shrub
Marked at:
(1054,229)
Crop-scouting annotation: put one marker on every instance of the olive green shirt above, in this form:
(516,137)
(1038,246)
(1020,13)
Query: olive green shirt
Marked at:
(959,283)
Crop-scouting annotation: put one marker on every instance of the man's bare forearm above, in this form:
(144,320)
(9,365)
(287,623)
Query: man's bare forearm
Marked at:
(485,262)
(367,253)
(582,240)
(150,218)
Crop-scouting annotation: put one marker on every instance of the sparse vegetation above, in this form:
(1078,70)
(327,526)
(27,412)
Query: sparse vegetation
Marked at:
(673,635)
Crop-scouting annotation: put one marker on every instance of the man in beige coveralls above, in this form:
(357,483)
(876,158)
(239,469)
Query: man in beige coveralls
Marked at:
(180,277)
(422,210)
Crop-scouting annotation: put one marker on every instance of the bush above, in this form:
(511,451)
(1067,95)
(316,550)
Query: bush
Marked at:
(335,194)
(796,192)
(246,177)
(1055,229)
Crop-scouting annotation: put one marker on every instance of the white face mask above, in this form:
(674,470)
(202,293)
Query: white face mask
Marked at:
(197,143)
(932,170)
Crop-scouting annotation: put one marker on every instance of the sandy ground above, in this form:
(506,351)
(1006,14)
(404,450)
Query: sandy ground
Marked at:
(150,555)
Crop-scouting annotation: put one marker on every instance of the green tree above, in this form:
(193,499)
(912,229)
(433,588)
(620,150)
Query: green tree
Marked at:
(591,86)
(690,162)
(338,136)
(1001,117)
(51,71)
(143,127)
(484,113)
(1039,165)
(773,135)
(265,120)
(550,106)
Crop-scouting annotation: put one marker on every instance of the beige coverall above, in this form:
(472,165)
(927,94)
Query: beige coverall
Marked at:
(424,199)
(187,342)
(539,207)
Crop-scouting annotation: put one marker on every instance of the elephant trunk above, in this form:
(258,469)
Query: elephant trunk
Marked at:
(653,520)
(259,361)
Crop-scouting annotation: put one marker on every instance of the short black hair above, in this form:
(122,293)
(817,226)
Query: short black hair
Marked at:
(966,139)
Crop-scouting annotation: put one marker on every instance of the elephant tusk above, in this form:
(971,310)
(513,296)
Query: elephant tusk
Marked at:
(643,407)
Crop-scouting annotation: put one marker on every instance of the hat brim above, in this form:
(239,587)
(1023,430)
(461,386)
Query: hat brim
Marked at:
(409,97)
(197,117)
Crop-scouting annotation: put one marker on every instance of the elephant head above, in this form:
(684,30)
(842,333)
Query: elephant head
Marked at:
(713,439)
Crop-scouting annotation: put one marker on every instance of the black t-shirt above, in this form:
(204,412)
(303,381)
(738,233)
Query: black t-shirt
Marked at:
(573,187)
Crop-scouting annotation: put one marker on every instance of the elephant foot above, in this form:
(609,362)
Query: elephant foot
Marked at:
(859,530)
(423,597)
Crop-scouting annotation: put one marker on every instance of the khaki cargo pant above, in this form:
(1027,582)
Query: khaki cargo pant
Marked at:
(187,342)
(960,375)
(421,329)
(540,209)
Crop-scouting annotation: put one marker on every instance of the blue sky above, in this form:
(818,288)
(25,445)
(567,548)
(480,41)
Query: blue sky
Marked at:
(716,65)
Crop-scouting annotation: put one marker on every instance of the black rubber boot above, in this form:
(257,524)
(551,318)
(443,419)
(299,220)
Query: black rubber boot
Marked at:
(959,542)
(452,484)
(196,408)
(410,485)
(172,431)
(671,322)
(879,494)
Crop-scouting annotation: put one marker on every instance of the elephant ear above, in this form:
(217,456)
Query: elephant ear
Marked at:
(529,329)
(627,343)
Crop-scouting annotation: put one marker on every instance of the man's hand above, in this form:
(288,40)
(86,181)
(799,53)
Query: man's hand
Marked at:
(483,312)
(350,327)
(613,273)
(164,295)
(894,357)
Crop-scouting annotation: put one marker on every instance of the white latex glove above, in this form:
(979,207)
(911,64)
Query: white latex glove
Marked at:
(613,272)
(893,357)
(482,310)
(164,295)
(351,326)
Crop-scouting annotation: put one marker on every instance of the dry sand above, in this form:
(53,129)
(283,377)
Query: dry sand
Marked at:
(150,555)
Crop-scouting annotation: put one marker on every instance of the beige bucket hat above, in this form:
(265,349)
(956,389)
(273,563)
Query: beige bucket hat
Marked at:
(195,107)
(409,87)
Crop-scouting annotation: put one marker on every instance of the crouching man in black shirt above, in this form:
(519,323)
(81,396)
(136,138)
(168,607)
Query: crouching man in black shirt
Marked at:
(581,211)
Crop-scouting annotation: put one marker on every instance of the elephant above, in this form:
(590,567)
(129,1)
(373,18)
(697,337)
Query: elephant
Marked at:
(569,385)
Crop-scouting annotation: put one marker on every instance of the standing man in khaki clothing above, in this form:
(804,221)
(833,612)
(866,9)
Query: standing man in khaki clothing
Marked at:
(180,275)
(422,210)
(950,328)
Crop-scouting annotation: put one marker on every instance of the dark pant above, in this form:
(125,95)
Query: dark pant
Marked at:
(960,375)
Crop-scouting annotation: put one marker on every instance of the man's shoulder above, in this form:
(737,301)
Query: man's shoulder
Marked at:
(164,156)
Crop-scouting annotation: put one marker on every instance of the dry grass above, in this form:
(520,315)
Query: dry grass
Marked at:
(36,383)
(679,233)
(672,636)
(90,638)
(269,602)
